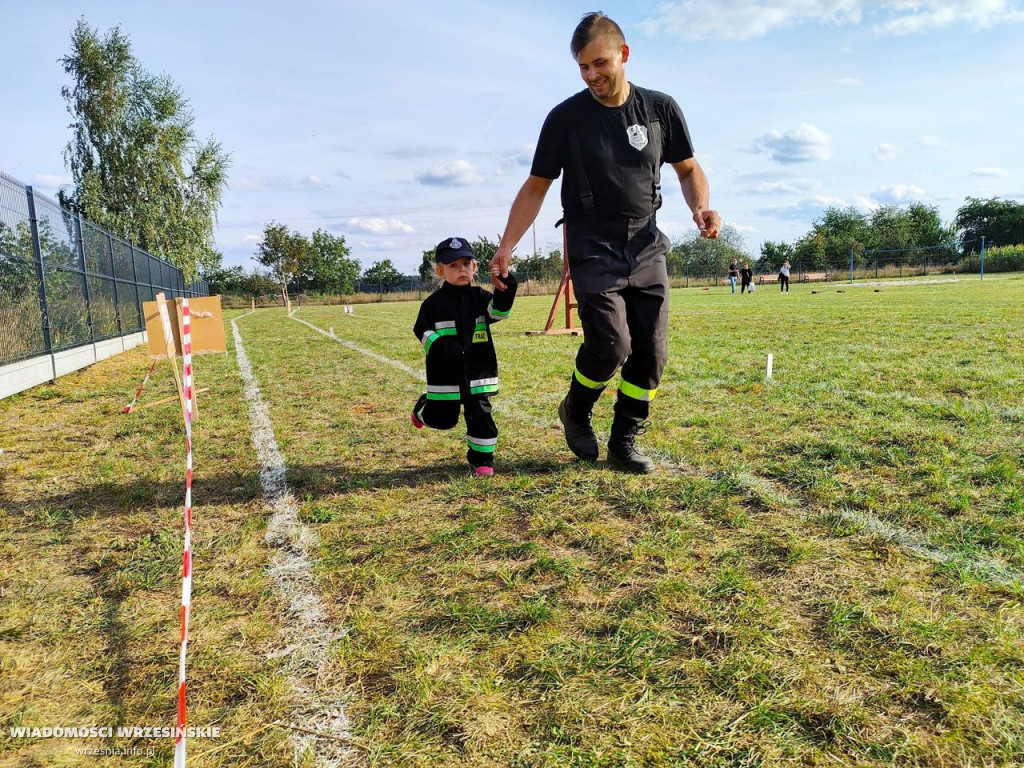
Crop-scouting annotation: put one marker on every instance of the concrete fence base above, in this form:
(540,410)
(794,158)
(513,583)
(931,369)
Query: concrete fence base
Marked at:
(25,374)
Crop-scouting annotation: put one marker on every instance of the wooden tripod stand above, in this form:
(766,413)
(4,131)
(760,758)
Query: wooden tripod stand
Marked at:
(565,290)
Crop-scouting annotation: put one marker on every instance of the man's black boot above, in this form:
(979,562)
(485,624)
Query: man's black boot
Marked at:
(579,434)
(622,451)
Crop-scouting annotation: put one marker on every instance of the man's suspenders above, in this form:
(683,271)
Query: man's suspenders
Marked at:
(583,181)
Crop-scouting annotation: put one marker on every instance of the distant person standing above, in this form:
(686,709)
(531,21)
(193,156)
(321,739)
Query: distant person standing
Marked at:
(734,273)
(784,277)
(611,140)
(746,277)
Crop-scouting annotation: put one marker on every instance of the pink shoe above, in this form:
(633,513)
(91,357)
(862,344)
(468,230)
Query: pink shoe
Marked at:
(483,471)
(416,422)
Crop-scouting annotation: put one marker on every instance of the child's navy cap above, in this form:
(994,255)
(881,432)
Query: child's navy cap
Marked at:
(452,249)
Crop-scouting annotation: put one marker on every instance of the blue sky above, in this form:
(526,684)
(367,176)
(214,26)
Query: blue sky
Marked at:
(399,123)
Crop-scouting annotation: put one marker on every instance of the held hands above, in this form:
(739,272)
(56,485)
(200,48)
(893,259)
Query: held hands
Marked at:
(499,266)
(708,222)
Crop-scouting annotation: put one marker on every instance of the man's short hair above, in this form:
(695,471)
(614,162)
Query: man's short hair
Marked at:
(591,26)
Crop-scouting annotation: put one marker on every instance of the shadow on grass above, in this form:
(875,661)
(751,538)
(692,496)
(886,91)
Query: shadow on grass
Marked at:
(311,479)
(109,499)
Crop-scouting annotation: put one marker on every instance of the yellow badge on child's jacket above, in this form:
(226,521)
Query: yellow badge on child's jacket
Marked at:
(479,336)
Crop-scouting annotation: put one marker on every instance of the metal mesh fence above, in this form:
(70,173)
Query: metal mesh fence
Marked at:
(65,282)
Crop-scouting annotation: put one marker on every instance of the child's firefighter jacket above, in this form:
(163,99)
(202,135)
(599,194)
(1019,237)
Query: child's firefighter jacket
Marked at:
(454,327)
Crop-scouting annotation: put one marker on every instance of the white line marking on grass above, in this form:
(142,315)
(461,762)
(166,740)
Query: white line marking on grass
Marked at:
(993,570)
(988,568)
(360,350)
(896,282)
(306,629)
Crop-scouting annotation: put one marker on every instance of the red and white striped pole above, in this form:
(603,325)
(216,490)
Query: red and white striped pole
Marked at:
(128,408)
(186,574)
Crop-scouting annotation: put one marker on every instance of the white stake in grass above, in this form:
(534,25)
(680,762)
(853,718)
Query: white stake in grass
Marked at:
(768,373)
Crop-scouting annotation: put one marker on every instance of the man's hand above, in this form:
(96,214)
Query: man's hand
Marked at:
(708,222)
(499,266)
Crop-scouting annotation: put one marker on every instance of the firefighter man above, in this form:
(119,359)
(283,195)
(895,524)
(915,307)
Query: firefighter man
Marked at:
(611,140)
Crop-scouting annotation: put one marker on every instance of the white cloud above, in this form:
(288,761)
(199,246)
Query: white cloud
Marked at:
(928,14)
(747,19)
(377,226)
(455,174)
(675,229)
(788,187)
(252,238)
(375,245)
(309,183)
(803,145)
(916,22)
(520,157)
(806,209)
(931,142)
(990,172)
(248,183)
(865,203)
(417,152)
(826,201)
(885,152)
(894,194)
(849,82)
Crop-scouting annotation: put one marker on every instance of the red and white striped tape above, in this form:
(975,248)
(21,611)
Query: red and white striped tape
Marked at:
(186,574)
(128,408)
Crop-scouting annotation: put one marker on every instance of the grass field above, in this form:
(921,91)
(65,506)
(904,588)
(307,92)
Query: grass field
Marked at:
(826,569)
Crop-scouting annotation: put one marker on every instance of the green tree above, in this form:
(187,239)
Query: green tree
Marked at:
(773,254)
(917,225)
(138,169)
(383,275)
(810,251)
(540,267)
(256,284)
(698,256)
(17,270)
(484,250)
(426,269)
(841,230)
(330,268)
(286,253)
(1001,222)
(926,223)
(223,281)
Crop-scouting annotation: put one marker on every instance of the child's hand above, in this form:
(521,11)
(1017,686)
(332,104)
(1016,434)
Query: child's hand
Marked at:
(499,266)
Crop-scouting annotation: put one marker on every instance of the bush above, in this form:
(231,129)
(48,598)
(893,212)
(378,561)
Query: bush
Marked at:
(1005,258)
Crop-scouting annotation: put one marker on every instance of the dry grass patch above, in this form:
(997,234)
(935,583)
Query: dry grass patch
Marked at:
(91,531)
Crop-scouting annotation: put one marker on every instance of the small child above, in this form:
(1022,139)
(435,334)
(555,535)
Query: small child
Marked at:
(746,278)
(454,327)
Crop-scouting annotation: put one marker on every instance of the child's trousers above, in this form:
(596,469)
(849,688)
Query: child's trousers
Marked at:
(440,410)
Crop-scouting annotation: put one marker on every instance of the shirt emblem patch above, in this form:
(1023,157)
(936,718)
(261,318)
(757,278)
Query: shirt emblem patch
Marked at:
(637,136)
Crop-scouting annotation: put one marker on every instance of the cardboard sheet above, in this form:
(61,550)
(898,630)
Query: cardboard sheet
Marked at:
(207,326)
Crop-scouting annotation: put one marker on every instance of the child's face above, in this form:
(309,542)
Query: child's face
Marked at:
(459,272)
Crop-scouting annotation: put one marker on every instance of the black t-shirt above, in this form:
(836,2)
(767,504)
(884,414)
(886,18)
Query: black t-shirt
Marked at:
(623,179)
